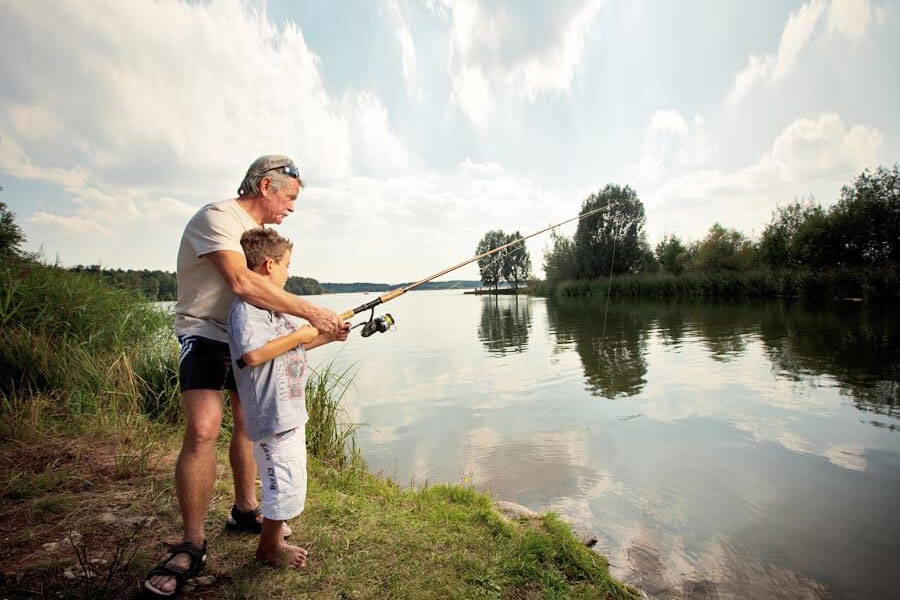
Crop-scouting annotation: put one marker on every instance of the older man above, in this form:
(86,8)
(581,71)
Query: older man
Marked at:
(212,270)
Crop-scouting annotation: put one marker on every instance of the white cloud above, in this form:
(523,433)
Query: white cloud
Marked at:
(78,225)
(380,151)
(407,48)
(850,18)
(491,167)
(846,18)
(767,68)
(810,156)
(670,142)
(159,93)
(498,51)
(131,105)
(167,210)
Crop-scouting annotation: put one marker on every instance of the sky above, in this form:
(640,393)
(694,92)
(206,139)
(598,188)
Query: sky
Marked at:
(419,125)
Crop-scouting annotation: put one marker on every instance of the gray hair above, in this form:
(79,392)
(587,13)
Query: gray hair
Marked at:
(266,166)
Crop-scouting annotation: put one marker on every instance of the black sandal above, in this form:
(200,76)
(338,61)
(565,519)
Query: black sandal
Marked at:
(181,576)
(247,521)
(244,521)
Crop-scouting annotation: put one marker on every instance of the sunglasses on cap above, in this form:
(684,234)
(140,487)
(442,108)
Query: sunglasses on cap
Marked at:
(289,170)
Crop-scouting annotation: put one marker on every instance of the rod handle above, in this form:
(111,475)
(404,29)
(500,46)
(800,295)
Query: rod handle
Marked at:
(392,294)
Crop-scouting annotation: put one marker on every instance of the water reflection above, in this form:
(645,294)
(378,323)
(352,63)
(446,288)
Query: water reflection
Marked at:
(858,345)
(505,323)
(611,344)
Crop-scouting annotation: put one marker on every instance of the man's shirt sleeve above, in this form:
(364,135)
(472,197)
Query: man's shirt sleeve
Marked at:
(212,230)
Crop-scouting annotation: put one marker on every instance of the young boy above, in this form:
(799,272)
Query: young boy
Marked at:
(268,353)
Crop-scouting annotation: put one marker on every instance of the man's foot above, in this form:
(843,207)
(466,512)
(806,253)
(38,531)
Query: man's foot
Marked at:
(250,521)
(184,561)
(284,555)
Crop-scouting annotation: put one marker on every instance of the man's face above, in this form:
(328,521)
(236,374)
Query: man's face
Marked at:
(279,204)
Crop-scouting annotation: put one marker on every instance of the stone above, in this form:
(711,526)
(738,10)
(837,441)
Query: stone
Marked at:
(194,583)
(112,519)
(51,546)
(513,511)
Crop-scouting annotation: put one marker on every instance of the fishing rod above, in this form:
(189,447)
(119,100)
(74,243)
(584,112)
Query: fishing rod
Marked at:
(383,323)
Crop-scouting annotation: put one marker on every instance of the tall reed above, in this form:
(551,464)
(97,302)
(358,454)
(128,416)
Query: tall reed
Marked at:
(328,436)
(82,346)
(837,282)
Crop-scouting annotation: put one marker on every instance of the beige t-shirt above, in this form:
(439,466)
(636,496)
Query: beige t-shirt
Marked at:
(203,296)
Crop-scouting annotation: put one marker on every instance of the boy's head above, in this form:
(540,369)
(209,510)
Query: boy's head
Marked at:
(268,254)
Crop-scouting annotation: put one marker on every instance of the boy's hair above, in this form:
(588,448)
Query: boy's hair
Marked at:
(261,244)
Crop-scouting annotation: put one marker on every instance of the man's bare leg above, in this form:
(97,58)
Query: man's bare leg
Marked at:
(272,549)
(195,472)
(240,455)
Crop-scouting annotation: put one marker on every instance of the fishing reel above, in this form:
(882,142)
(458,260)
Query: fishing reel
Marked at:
(376,324)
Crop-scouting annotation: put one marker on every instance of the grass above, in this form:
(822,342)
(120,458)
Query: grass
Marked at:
(367,538)
(89,431)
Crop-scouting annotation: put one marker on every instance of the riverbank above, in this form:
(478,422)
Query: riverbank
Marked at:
(835,283)
(89,431)
(100,510)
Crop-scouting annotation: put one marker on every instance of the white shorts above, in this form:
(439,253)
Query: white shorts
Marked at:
(281,460)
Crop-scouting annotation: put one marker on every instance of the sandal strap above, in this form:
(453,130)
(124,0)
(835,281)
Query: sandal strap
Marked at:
(173,571)
(247,516)
(192,550)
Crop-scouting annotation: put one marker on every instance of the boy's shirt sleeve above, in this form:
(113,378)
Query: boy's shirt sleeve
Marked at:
(250,328)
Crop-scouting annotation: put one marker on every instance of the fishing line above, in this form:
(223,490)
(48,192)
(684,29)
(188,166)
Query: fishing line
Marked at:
(612,263)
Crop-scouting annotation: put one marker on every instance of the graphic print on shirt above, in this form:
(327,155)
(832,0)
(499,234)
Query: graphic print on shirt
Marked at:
(291,366)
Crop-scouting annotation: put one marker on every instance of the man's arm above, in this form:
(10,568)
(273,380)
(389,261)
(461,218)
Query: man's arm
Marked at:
(259,291)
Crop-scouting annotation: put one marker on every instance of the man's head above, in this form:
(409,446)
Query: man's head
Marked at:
(273,182)
(268,254)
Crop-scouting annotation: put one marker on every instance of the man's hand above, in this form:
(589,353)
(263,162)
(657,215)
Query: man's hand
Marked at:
(343,334)
(326,321)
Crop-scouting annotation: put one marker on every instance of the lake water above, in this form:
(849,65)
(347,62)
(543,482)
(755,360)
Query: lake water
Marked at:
(742,450)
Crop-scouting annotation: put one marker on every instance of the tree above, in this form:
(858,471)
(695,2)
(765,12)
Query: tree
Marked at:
(11,236)
(559,259)
(672,255)
(780,245)
(723,250)
(612,240)
(867,218)
(515,266)
(491,267)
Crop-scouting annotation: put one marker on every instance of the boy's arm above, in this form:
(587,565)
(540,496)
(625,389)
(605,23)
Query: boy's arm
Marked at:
(304,335)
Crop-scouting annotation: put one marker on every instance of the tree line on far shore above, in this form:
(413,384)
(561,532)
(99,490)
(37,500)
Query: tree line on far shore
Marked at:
(860,231)
(162,285)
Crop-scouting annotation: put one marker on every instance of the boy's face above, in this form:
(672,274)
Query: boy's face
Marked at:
(279,274)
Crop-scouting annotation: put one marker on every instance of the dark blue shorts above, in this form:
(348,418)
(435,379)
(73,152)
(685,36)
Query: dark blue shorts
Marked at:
(204,364)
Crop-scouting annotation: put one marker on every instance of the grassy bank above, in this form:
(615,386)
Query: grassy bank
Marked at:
(90,431)
(870,283)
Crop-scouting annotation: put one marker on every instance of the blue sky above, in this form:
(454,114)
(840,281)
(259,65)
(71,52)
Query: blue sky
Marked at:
(421,124)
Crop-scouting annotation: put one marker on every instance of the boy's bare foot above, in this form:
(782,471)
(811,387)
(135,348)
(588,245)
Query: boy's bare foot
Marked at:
(284,555)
